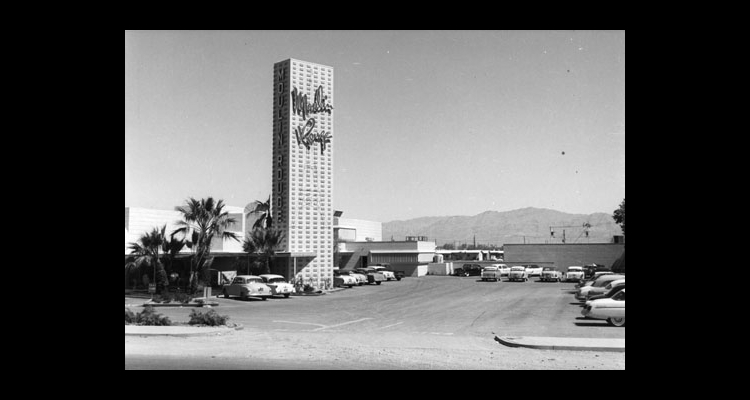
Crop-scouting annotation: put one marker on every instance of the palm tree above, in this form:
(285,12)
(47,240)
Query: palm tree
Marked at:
(263,242)
(264,209)
(146,252)
(203,221)
(171,247)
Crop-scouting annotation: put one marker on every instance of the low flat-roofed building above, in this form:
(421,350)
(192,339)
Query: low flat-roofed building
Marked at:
(411,257)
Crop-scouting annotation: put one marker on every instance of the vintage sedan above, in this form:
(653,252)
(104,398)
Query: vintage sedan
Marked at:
(611,309)
(550,274)
(491,273)
(340,280)
(504,269)
(387,273)
(246,286)
(574,273)
(533,269)
(598,283)
(607,295)
(595,291)
(373,275)
(361,278)
(279,286)
(518,273)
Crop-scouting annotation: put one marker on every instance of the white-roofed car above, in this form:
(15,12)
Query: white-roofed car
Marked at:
(279,286)
(388,274)
(598,283)
(533,269)
(550,274)
(342,279)
(491,273)
(518,273)
(612,309)
(361,278)
(246,286)
(574,273)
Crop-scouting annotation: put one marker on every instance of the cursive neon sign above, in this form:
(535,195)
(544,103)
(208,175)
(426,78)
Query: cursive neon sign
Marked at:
(306,137)
(301,106)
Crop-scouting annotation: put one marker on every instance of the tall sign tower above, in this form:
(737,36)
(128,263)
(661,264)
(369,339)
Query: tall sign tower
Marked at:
(302,193)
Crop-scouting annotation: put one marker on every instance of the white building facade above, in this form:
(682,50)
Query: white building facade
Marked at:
(302,191)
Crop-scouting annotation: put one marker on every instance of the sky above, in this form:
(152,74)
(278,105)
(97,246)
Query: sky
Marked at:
(426,123)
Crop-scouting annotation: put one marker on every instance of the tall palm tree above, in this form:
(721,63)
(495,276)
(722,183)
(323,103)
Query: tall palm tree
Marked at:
(202,221)
(263,242)
(146,252)
(265,219)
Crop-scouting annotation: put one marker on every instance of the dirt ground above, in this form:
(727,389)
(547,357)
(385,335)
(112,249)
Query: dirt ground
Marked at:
(256,349)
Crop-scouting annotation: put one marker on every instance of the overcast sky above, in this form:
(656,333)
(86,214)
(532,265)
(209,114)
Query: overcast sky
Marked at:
(426,123)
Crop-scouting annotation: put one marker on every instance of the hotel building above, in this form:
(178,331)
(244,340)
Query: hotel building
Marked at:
(302,192)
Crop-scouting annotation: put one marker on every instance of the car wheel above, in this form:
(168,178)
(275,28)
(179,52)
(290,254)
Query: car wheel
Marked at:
(226,296)
(265,298)
(616,321)
(286,295)
(379,282)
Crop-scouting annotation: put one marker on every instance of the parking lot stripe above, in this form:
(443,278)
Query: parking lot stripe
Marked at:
(384,327)
(341,324)
(303,323)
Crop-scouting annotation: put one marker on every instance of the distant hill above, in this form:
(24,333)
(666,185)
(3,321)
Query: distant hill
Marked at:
(498,228)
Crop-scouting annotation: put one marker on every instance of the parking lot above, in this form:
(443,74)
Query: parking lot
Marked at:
(433,304)
(431,322)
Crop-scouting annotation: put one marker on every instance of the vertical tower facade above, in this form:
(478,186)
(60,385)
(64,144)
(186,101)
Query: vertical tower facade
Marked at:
(302,193)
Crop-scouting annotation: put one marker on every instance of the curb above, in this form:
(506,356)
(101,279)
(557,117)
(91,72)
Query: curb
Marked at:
(191,331)
(560,344)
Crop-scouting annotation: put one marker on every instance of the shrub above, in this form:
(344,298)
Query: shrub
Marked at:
(129,316)
(211,318)
(309,288)
(183,298)
(149,317)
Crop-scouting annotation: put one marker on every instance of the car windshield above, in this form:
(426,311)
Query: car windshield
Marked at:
(254,280)
(548,269)
(517,268)
(490,268)
(276,280)
(619,296)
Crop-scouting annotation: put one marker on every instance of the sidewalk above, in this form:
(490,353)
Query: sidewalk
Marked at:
(561,343)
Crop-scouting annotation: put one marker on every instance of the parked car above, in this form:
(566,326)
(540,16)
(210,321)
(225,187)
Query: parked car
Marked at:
(583,281)
(612,309)
(504,269)
(533,269)
(599,282)
(387,267)
(373,275)
(344,280)
(491,273)
(607,295)
(574,273)
(550,274)
(591,269)
(472,270)
(388,274)
(595,291)
(518,273)
(279,286)
(246,286)
(361,278)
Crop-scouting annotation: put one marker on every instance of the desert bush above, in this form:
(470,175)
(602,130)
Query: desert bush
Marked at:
(149,317)
(211,318)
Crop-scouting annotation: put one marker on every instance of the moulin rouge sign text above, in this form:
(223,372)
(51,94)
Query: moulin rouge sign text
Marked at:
(300,106)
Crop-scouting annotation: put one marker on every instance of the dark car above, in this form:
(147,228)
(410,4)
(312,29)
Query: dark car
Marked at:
(470,270)
(591,269)
(373,275)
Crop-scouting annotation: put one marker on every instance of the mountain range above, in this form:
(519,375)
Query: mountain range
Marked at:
(525,225)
